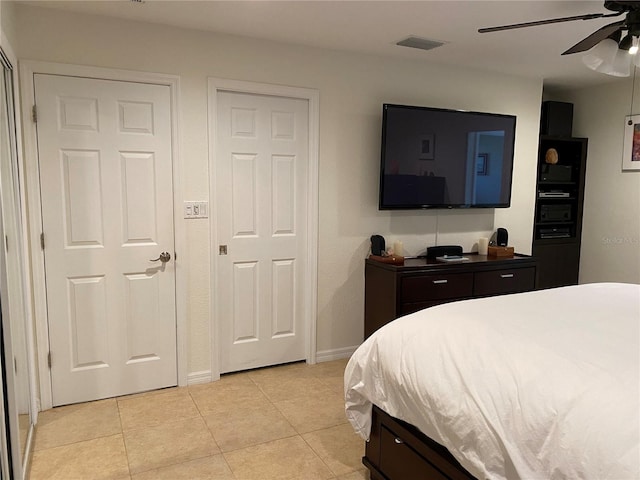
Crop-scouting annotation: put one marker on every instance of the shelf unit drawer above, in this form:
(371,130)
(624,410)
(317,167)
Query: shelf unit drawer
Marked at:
(436,287)
(504,281)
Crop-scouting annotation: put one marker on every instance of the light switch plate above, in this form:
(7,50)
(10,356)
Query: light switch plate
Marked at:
(196,209)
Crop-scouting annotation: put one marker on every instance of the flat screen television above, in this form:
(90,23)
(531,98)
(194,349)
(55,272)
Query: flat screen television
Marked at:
(437,158)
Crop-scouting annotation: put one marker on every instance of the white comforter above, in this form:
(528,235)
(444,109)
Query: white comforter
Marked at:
(536,385)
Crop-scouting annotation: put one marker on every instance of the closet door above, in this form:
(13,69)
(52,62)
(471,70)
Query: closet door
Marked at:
(13,287)
(106,170)
(262,172)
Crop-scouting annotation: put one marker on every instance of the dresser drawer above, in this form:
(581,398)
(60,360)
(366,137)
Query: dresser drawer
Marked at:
(398,461)
(436,287)
(504,281)
(407,308)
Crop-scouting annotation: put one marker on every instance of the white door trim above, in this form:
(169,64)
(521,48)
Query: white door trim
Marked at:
(311,282)
(27,71)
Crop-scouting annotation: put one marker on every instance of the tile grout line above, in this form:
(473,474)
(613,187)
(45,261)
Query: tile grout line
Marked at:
(297,434)
(320,378)
(75,442)
(317,455)
(124,443)
(169,422)
(222,454)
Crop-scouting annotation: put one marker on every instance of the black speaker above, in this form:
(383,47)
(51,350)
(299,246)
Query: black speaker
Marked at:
(556,119)
(442,250)
(500,238)
(377,245)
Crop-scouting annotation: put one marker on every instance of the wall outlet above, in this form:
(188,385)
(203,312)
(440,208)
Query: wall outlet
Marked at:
(196,209)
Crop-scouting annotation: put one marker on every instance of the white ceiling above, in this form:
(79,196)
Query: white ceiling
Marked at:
(373,27)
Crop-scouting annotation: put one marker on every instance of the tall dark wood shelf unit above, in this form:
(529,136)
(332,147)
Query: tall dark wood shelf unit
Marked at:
(558,217)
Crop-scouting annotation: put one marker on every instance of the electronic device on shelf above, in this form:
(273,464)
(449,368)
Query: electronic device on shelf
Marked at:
(554,194)
(555,213)
(452,258)
(437,158)
(444,251)
(555,173)
(500,238)
(378,246)
(560,232)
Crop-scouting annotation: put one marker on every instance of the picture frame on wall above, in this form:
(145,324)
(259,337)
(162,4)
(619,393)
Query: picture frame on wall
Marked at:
(427,147)
(482,164)
(631,149)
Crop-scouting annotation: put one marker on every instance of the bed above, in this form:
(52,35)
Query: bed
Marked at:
(536,385)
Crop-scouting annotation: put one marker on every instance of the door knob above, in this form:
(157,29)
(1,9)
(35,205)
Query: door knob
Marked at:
(164,257)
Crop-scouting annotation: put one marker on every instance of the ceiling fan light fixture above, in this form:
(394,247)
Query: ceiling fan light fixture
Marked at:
(626,42)
(621,66)
(602,56)
(606,57)
(633,49)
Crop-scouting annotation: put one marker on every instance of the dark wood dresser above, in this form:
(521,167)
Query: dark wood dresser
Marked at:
(392,291)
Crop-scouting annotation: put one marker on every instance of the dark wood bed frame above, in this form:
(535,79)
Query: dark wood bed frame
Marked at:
(399,451)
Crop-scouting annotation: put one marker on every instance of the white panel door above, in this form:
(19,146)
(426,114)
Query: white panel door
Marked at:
(261,177)
(107,207)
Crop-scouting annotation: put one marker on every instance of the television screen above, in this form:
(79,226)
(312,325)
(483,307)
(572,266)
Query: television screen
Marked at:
(436,158)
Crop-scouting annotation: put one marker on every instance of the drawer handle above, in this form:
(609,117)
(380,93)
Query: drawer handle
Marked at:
(440,281)
(506,275)
(398,441)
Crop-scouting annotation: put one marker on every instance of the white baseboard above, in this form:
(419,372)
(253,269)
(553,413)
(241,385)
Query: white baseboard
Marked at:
(204,376)
(335,354)
(197,378)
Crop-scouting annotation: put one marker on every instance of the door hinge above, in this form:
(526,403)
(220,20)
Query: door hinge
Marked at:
(34,114)
(42,240)
(49,359)
(6,243)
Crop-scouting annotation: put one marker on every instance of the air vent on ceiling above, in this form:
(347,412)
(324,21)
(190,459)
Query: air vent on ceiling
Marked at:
(421,43)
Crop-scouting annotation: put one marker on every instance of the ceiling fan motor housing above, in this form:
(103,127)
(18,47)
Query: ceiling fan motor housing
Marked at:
(621,6)
(632,23)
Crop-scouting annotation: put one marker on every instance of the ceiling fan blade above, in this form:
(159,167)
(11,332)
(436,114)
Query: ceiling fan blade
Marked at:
(595,38)
(589,16)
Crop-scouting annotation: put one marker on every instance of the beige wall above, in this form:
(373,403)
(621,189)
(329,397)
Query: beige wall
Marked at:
(8,21)
(352,89)
(611,226)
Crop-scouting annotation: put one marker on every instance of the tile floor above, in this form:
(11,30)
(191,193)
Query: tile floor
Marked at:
(279,423)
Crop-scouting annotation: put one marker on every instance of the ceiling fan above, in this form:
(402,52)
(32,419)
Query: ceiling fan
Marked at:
(631,24)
